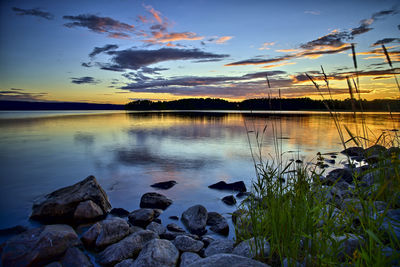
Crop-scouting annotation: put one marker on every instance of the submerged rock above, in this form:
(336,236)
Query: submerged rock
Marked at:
(155,201)
(218,223)
(236,186)
(164,185)
(229,200)
(195,219)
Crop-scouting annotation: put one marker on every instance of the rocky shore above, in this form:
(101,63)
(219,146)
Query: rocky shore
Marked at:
(80,228)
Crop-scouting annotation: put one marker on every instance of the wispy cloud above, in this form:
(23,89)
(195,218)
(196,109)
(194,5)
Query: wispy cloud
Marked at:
(20,94)
(313,12)
(386,41)
(84,80)
(266,46)
(278,65)
(33,12)
(98,50)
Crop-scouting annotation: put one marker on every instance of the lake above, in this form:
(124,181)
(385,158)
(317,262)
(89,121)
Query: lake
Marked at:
(128,151)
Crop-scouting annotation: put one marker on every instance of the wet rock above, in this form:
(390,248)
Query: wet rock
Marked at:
(129,247)
(74,257)
(39,246)
(353,151)
(229,200)
(218,223)
(236,186)
(156,228)
(195,219)
(15,230)
(348,244)
(393,152)
(375,151)
(125,263)
(120,212)
(247,248)
(187,244)
(225,260)
(155,201)
(176,218)
(156,253)
(90,236)
(169,235)
(164,185)
(175,228)
(141,217)
(219,246)
(60,205)
(337,174)
(207,240)
(188,258)
(392,220)
(243,194)
(87,211)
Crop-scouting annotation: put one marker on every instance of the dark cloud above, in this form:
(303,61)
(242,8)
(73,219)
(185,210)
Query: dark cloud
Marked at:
(98,50)
(114,28)
(398,27)
(258,61)
(386,41)
(21,95)
(333,39)
(33,12)
(152,70)
(83,80)
(383,13)
(136,59)
(86,64)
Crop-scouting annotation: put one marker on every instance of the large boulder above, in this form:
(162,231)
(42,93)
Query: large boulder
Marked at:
(338,174)
(87,211)
(188,258)
(164,185)
(142,217)
(187,244)
(219,246)
(354,151)
(154,200)
(156,228)
(226,260)
(129,247)
(74,257)
(39,246)
(157,252)
(195,219)
(60,205)
(236,186)
(218,223)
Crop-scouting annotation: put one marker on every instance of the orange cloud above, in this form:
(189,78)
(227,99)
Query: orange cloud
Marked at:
(266,45)
(156,14)
(287,50)
(278,65)
(160,37)
(223,39)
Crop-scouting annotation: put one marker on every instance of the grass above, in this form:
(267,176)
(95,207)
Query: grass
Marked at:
(303,220)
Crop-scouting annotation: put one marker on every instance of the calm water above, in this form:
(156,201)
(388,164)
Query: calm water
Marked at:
(127,152)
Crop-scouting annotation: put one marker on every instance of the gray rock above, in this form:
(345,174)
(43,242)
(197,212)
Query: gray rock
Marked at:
(229,200)
(392,254)
(175,228)
(187,244)
(60,205)
(112,230)
(392,221)
(195,219)
(129,247)
(348,244)
(338,174)
(155,201)
(353,151)
(375,150)
(141,217)
(227,260)
(89,237)
(218,223)
(219,246)
(207,240)
(74,257)
(188,258)
(39,246)
(247,248)
(125,263)
(120,212)
(156,228)
(87,211)
(164,185)
(156,253)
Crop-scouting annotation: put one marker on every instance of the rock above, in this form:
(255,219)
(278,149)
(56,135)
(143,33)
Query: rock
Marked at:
(337,174)
(164,185)
(392,220)
(156,253)
(187,244)
(393,152)
(247,248)
(155,201)
(106,232)
(243,194)
(237,186)
(353,151)
(129,247)
(141,217)
(169,235)
(219,246)
(74,257)
(392,254)
(87,211)
(229,200)
(354,205)
(195,219)
(175,228)
(120,212)
(125,263)
(226,260)
(188,258)
(15,230)
(39,246)
(54,264)
(174,218)
(375,151)
(156,228)
(287,262)
(207,240)
(348,244)
(60,205)
(218,223)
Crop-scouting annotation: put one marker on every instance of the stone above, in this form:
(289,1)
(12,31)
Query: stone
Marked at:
(54,264)
(164,185)
(120,212)
(243,194)
(195,219)
(348,244)
(375,151)
(392,221)
(74,257)
(141,217)
(218,223)
(87,211)
(175,228)
(353,151)
(154,200)
(392,152)
(156,253)
(219,246)
(236,186)
(246,248)
(337,174)
(156,228)
(226,260)
(60,205)
(125,263)
(188,258)
(187,244)
(207,240)
(89,237)
(229,200)
(15,230)
(287,262)
(39,246)
(174,218)
(129,247)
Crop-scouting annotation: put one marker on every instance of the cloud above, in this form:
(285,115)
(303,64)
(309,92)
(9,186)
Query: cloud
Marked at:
(98,50)
(160,37)
(223,39)
(266,45)
(278,65)
(156,14)
(312,12)
(20,95)
(33,12)
(84,80)
(114,28)
(387,41)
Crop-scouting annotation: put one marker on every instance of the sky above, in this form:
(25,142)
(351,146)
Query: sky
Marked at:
(119,51)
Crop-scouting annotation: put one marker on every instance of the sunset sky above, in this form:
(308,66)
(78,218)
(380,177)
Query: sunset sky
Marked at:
(116,51)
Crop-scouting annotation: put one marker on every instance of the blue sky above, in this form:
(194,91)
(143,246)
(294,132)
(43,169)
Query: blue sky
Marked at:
(118,51)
